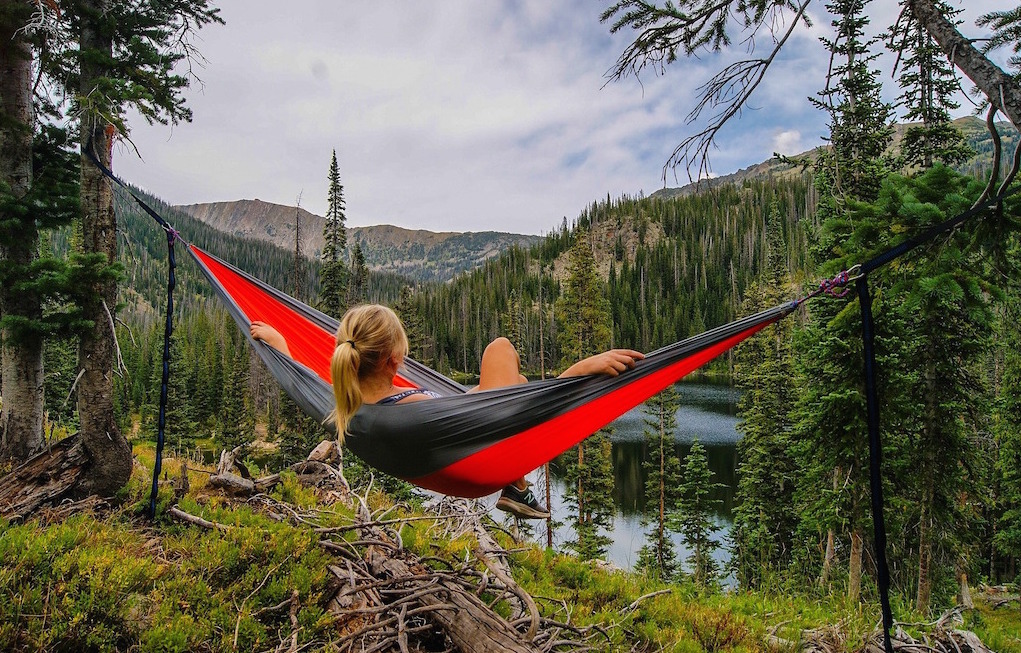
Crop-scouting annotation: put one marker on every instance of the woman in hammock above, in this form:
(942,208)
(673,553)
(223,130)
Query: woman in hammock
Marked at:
(371,346)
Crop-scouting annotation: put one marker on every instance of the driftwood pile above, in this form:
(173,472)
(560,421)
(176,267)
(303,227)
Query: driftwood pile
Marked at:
(385,598)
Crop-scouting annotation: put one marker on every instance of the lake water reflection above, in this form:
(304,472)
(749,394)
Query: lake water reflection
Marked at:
(708,413)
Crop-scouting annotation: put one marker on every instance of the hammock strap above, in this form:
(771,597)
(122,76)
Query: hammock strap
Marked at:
(875,457)
(168,330)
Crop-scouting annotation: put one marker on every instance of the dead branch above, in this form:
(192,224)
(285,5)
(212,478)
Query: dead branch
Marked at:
(195,520)
(634,604)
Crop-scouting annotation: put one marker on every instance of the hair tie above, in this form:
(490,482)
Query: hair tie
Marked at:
(352,343)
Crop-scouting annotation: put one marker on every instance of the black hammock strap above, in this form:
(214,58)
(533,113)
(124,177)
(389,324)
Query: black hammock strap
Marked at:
(168,329)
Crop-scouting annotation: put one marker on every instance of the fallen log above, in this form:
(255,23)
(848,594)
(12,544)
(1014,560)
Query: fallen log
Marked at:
(43,479)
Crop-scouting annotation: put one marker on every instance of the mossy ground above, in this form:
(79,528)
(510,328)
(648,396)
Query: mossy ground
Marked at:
(114,581)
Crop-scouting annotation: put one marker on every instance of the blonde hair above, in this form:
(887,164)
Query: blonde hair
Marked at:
(369,335)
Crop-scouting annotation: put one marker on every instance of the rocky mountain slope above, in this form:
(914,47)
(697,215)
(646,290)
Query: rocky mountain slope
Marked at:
(418,254)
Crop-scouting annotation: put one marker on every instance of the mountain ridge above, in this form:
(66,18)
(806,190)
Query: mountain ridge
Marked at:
(419,254)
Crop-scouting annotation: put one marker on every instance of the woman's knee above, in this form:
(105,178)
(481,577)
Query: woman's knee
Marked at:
(502,348)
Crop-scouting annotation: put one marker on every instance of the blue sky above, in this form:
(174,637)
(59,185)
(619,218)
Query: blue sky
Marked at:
(454,115)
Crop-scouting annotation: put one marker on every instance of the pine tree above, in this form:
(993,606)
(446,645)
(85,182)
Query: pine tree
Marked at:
(407,311)
(1007,431)
(766,517)
(695,516)
(40,293)
(237,423)
(831,405)
(929,87)
(946,311)
(584,317)
(120,56)
(181,429)
(333,274)
(356,286)
(662,486)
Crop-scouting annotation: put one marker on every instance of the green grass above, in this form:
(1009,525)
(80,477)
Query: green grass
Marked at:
(116,582)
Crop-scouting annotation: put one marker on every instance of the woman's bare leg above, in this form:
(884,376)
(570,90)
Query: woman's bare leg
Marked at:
(501,367)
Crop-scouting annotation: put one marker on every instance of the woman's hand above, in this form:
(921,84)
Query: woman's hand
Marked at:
(611,363)
(269,335)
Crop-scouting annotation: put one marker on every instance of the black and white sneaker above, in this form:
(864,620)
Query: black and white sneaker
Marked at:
(521,503)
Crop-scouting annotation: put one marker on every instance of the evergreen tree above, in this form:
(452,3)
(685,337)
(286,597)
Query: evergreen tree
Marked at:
(237,422)
(121,56)
(832,409)
(662,486)
(356,285)
(40,293)
(333,274)
(511,320)
(695,514)
(766,517)
(947,316)
(929,86)
(181,429)
(584,317)
(1007,430)
(413,327)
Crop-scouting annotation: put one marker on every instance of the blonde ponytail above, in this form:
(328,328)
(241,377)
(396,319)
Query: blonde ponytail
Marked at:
(369,335)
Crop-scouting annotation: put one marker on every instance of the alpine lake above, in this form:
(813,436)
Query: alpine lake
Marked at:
(708,413)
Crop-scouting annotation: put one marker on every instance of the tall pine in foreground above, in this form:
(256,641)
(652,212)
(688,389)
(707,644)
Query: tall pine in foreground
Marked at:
(333,273)
(697,509)
(766,517)
(118,57)
(584,317)
(662,486)
(831,428)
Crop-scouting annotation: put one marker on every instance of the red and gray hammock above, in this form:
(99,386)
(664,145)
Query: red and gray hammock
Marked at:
(465,444)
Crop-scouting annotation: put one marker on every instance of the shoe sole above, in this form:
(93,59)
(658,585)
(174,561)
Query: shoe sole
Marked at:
(522,510)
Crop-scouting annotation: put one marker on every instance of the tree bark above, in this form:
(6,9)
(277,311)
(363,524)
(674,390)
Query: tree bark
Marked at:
(109,451)
(43,479)
(21,358)
(924,561)
(854,567)
(1001,89)
(831,541)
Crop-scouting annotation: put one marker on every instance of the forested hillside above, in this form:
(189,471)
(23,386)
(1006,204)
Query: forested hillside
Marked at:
(673,267)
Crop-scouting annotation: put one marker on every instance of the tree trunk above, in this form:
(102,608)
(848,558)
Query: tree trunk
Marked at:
(924,560)
(831,542)
(854,567)
(109,452)
(21,358)
(1001,89)
(964,591)
(828,556)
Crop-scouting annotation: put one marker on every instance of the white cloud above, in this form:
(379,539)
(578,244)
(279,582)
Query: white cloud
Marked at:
(788,142)
(456,115)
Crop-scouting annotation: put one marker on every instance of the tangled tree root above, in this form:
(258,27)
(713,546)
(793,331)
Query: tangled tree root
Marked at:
(386,598)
